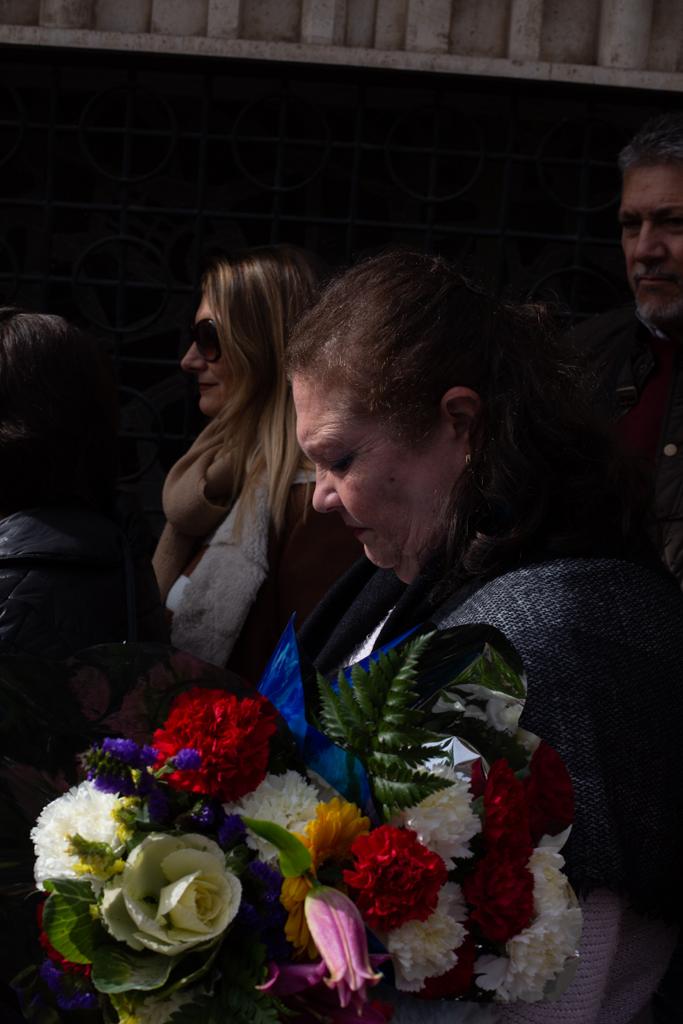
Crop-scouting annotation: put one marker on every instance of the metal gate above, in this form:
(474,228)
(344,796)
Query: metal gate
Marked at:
(118,172)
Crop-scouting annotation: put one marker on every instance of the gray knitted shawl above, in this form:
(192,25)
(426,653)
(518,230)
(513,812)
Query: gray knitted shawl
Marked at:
(602,646)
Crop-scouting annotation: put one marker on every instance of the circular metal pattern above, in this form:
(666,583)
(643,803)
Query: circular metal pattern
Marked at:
(439,144)
(577,159)
(583,290)
(129,436)
(121,283)
(128,133)
(275,139)
(9,273)
(12,124)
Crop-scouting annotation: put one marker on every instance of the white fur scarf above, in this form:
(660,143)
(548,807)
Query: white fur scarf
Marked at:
(215,603)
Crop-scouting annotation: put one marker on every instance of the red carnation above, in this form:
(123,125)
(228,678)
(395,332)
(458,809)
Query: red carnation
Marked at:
(506,814)
(549,793)
(456,982)
(500,892)
(396,878)
(231,735)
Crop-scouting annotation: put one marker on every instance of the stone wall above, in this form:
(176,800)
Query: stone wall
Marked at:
(633,43)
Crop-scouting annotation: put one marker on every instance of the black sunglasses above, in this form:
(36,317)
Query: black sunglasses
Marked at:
(204,334)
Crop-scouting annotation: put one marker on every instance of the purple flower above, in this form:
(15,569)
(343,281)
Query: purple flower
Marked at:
(269,877)
(230,831)
(204,817)
(158,805)
(120,766)
(129,752)
(338,931)
(188,759)
(71,992)
(111,782)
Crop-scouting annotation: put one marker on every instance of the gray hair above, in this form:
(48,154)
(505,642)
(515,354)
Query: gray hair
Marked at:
(658,141)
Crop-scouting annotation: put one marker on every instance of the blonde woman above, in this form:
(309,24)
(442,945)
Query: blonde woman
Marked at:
(242,549)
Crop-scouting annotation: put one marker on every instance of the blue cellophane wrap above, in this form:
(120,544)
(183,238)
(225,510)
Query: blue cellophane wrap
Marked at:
(282,684)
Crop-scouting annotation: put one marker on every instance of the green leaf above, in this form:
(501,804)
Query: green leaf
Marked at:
(490,669)
(295,858)
(120,969)
(193,969)
(374,718)
(68,921)
(243,968)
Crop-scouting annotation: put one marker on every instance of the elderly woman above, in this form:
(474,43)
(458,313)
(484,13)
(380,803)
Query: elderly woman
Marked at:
(460,448)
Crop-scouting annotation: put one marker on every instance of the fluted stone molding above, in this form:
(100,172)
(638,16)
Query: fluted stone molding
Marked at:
(625,27)
(67,13)
(610,42)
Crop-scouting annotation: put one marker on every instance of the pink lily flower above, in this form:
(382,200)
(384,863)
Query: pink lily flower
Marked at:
(338,931)
(300,988)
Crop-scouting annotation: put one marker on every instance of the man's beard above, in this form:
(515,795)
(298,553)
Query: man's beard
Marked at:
(657,310)
(660,314)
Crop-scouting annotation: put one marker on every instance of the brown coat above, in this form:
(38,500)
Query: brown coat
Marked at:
(310,554)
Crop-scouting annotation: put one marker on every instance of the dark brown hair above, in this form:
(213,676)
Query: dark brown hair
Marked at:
(395,332)
(57,414)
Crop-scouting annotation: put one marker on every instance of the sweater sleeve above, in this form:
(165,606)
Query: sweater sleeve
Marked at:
(622,958)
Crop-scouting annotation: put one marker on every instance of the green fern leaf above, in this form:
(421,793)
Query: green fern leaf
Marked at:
(394,795)
(363,694)
(331,715)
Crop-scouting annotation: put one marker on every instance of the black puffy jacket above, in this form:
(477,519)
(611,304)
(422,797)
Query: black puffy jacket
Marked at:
(616,343)
(71,578)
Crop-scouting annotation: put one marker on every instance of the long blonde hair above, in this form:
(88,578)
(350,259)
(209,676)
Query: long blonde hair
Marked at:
(256,298)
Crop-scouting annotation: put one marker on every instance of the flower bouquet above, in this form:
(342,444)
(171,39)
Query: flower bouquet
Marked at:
(237,869)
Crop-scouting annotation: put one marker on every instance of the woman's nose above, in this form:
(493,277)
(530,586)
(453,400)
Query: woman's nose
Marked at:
(192,361)
(325,497)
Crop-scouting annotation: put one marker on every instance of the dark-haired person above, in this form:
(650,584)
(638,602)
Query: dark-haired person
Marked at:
(73,571)
(637,352)
(241,549)
(460,447)
(637,348)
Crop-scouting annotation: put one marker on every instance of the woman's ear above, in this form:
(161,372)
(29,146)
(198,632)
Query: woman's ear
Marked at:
(460,407)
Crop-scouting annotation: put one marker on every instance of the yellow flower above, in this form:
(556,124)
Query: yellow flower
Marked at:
(292,897)
(329,836)
(333,830)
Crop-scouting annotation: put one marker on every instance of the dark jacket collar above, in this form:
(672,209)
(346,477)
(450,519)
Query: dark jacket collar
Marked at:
(60,533)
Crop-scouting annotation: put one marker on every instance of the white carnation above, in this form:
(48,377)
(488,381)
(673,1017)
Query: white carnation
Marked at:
(444,821)
(288,800)
(535,958)
(83,810)
(427,949)
(552,892)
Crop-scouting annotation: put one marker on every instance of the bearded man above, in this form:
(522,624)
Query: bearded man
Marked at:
(637,349)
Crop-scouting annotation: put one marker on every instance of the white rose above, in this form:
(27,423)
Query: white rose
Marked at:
(174,893)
